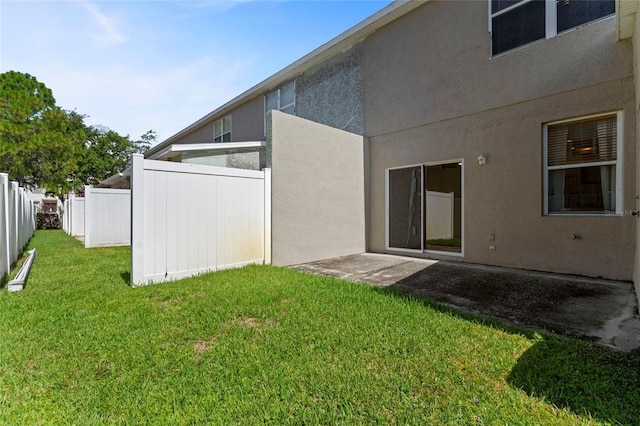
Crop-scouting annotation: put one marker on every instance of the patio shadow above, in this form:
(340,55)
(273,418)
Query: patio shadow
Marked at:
(591,380)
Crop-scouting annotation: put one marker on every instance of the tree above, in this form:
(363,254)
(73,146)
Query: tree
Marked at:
(146,141)
(23,101)
(45,146)
(40,143)
(106,153)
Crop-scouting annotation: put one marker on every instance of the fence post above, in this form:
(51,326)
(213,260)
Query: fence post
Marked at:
(68,214)
(137,220)
(4,234)
(87,216)
(267,216)
(14,224)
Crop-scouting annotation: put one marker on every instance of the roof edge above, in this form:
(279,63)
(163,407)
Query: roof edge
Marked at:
(329,49)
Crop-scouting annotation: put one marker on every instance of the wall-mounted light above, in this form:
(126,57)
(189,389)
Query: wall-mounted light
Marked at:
(482,160)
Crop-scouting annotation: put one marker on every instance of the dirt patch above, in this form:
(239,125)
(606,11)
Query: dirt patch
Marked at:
(202,346)
(253,322)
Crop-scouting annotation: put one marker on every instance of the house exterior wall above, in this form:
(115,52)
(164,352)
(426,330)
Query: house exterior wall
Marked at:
(247,125)
(331,93)
(202,134)
(247,121)
(636,67)
(317,201)
(442,97)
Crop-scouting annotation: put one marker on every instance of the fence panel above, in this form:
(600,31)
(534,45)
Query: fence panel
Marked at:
(5,250)
(76,218)
(17,222)
(107,217)
(189,219)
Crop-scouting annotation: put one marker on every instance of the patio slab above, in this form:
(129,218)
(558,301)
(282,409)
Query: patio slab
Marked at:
(603,311)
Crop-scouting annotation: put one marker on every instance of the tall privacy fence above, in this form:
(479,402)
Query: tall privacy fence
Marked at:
(102,217)
(189,219)
(17,222)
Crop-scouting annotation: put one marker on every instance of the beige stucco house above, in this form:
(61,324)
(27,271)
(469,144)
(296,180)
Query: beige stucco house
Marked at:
(493,132)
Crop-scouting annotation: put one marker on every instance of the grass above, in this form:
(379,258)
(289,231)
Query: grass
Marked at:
(270,345)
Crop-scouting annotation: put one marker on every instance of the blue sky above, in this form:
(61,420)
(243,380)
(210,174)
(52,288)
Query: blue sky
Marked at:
(139,65)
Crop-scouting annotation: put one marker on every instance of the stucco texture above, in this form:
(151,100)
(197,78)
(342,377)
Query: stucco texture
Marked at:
(442,97)
(317,191)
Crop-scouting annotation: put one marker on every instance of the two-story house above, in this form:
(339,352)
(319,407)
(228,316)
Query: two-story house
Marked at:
(494,132)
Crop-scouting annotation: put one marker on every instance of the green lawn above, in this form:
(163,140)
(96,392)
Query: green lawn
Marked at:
(269,345)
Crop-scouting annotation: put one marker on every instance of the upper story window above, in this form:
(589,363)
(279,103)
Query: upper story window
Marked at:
(222,130)
(582,170)
(515,23)
(282,99)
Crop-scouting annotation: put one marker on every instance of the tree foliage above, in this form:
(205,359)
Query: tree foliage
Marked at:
(42,145)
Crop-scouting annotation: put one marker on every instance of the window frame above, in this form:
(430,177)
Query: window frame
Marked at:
(618,163)
(551,22)
(278,91)
(423,249)
(220,121)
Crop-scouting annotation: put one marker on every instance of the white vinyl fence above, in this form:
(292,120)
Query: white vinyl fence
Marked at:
(17,222)
(189,219)
(72,216)
(102,217)
(107,217)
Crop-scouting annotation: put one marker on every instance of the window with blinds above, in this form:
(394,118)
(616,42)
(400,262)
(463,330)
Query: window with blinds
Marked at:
(516,23)
(581,170)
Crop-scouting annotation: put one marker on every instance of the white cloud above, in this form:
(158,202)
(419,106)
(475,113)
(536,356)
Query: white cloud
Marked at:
(110,34)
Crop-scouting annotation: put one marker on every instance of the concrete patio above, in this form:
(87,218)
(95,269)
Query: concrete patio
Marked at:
(603,311)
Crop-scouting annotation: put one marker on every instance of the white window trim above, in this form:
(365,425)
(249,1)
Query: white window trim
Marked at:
(618,163)
(387,207)
(277,90)
(221,121)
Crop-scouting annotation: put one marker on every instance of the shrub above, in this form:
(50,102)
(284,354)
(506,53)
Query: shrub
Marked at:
(47,221)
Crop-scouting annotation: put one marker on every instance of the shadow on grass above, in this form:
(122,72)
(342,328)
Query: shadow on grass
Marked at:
(126,277)
(566,372)
(581,377)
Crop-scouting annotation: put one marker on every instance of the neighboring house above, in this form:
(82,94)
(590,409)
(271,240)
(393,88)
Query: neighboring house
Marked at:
(493,132)
(44,203)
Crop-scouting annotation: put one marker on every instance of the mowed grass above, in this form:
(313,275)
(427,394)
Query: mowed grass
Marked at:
(267,345)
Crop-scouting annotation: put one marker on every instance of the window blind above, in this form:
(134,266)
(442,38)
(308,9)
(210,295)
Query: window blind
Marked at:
(573,13)
(587,141)
(522,25)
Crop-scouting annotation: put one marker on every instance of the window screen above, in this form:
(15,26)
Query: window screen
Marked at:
(573,13)
(517,27)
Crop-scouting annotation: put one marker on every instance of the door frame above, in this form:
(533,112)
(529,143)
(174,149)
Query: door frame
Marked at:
(422,250)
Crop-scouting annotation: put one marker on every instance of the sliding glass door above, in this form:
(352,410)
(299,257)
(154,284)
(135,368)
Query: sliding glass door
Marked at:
(425,207)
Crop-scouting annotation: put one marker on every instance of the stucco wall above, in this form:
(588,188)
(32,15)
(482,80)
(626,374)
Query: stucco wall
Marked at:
(443,97)
(247,124)
(317,191)
(331,93)
(247,121)
(636,67)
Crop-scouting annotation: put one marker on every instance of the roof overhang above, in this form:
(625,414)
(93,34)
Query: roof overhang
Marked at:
(333,47)
(116,179)
(216,148)
(626,11)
